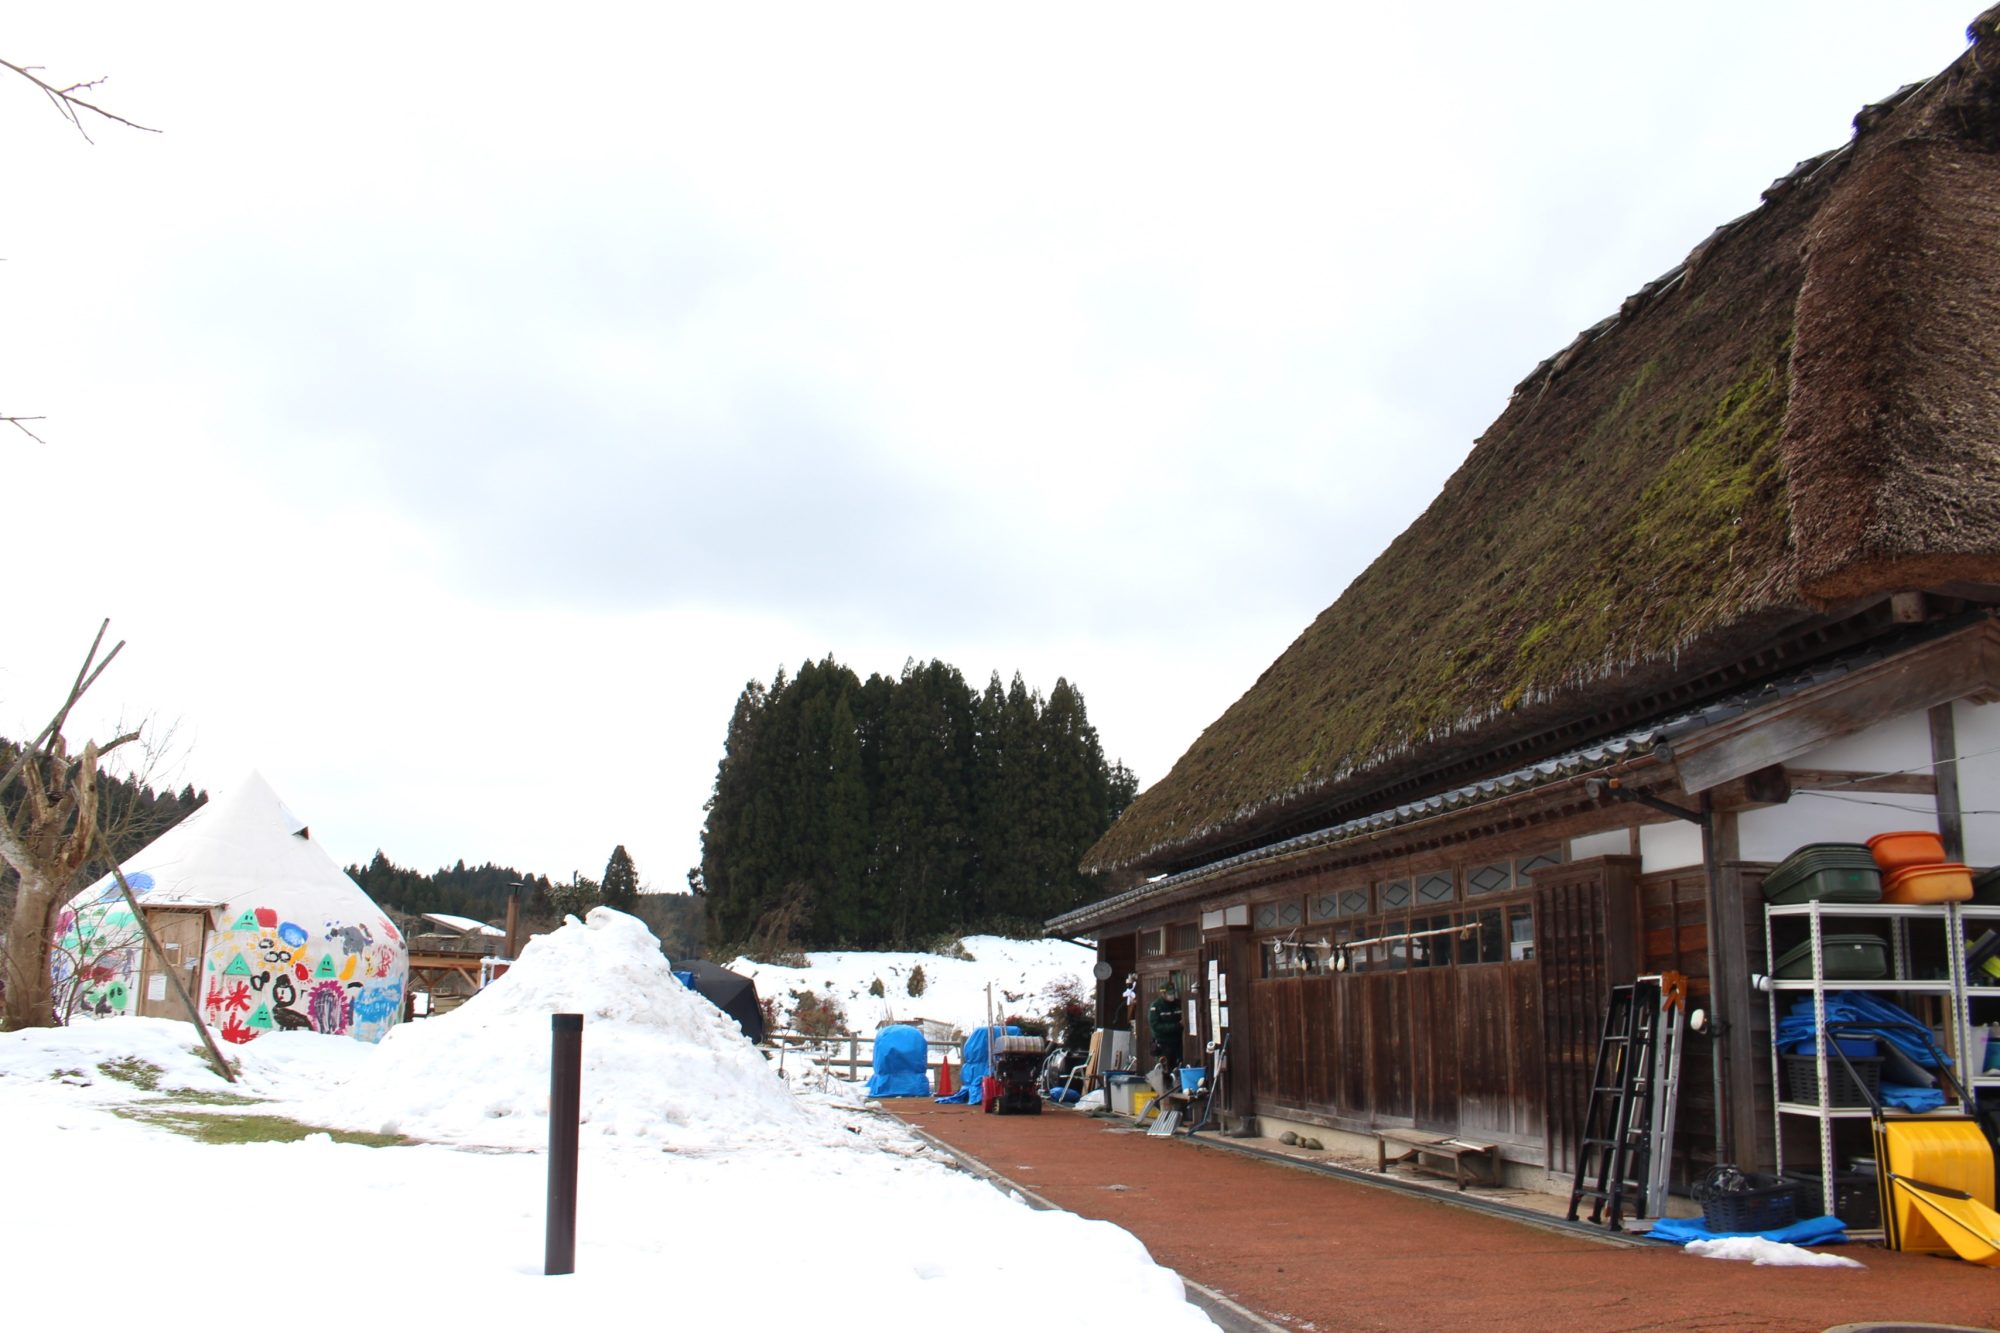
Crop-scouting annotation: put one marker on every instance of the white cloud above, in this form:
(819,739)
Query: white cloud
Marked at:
(454,408)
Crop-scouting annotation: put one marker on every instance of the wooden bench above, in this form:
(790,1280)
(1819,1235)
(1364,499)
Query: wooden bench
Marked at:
(1417,1146)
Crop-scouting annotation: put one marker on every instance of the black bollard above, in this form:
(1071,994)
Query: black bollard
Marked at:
(565,1097)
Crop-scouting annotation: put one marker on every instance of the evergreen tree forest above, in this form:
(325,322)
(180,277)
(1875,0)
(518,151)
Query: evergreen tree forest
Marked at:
(888,812)
(479,892)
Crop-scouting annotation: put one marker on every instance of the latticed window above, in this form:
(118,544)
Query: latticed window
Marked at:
(1528,865)
(1279,915)
(1394,895)
(1496,877)
(1436,887)
(1354,902)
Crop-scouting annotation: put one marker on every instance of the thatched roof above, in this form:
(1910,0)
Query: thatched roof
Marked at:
(1804,415)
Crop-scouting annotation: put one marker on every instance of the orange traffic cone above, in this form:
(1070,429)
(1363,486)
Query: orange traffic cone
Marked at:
(944,1088)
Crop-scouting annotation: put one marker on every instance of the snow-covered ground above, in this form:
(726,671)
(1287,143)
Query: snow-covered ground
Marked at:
(709,1191)
(1020,974)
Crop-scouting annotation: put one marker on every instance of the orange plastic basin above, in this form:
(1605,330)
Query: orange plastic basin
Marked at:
(1911,847)
(1946,882)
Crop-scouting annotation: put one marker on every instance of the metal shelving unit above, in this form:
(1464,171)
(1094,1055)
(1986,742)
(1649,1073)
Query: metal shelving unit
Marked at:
(1968,921)
(1946,918)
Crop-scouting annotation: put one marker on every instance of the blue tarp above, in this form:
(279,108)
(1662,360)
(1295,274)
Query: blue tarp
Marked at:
(1812,1231)
(902,1063)
(1905,1098)
(976,1065)
(1851,1009)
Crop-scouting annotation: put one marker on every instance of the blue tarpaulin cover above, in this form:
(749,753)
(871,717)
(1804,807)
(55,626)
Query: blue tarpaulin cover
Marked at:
(1857,1009)
(976,1064)
(1812,1231)
(902,1063)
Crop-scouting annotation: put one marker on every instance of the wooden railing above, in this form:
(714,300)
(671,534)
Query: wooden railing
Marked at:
(850,1057)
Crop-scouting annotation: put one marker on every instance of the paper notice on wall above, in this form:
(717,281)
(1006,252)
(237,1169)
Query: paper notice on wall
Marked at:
(156,987)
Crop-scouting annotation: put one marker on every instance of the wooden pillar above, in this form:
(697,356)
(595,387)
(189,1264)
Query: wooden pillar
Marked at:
(1944,768)
(1239,960)
(1731,999)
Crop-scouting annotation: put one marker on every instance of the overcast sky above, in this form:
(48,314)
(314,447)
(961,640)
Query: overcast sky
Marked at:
(455,405)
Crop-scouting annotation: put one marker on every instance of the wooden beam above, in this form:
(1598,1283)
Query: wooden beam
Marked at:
(1949,668)
(1843,779)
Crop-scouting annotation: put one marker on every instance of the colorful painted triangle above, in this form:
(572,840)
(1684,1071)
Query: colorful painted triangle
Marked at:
(237,967)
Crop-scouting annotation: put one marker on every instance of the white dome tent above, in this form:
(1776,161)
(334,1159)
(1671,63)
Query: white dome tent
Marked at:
(264,930)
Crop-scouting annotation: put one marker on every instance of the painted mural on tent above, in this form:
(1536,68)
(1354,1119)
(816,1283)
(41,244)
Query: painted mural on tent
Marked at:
(340,978)
(94,955)
(262,973)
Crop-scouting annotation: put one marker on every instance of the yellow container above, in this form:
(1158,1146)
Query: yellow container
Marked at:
(1142,1100)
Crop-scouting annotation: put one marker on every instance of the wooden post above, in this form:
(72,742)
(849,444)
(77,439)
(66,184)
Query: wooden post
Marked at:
(172,974)
(1944,767)
(514,924)
(565,1107)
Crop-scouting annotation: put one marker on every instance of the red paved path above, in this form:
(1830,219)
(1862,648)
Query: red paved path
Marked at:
(1303,1248)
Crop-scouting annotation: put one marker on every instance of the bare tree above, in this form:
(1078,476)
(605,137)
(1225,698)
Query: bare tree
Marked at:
(72,105)
(50,836)
(69,101)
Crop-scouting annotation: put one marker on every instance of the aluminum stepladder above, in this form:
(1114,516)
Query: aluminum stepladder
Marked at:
(1626,1149)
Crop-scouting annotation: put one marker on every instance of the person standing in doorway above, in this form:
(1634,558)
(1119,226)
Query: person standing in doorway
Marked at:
(1163,1018)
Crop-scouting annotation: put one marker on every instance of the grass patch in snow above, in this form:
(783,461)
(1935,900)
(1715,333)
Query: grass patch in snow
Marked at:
(141,1074)
(206,1127)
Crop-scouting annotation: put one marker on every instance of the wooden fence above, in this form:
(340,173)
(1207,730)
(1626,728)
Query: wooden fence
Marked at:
(851,1058)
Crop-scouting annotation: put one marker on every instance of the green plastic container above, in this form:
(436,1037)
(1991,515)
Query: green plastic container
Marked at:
(1986,887)
(1828,872)
(1845,957)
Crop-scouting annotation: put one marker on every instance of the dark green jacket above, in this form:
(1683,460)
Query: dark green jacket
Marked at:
(1164,1019)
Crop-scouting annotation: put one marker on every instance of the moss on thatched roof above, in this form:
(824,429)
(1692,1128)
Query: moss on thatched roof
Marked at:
(1805,413)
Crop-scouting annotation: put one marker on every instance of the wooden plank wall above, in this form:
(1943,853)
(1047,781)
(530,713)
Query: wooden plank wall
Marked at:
(1451,1048)
(1674,913)
(1570,929)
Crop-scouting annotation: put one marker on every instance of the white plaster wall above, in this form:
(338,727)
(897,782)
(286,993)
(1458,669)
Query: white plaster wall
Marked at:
(1978,729)
(1669,846)
(1888,747)
(1617,842)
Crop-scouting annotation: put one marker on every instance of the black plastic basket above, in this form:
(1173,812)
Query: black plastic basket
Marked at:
(1802,1080)
(1769,1204)
(1857,1198)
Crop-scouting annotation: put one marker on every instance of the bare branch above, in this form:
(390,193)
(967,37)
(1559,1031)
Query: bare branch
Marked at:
(85,678)
(68,104)
(16,423)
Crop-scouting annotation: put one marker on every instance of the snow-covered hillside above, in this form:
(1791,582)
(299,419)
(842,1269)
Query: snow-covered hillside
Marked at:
(1021,974)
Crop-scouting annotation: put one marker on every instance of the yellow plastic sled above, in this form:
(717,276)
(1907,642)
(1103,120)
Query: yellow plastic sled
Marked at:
(1969,1227)
(1937,1186)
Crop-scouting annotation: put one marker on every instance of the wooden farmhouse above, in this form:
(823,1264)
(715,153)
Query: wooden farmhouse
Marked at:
(1721,581)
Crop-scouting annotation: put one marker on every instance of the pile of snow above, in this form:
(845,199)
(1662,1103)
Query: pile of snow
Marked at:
(838,1199)
(1021,975)
(1771,1253)
(659,1061)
